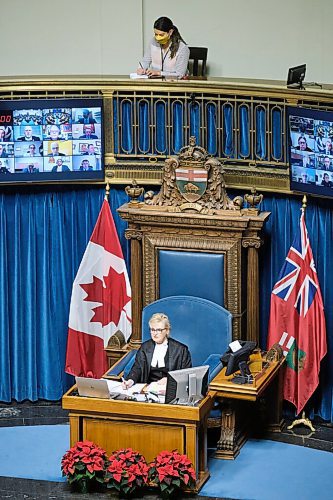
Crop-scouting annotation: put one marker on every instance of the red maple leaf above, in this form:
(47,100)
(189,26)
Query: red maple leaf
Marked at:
(112,295)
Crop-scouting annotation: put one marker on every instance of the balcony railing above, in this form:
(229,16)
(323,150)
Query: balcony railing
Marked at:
(242,123)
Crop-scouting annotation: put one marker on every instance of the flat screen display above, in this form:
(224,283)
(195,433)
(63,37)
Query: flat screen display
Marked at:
(310,151)
(51,140)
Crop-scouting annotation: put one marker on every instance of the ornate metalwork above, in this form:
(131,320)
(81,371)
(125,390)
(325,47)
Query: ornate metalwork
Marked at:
(147,121)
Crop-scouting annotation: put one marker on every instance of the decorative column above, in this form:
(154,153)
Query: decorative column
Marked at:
(252,244)
(136,282)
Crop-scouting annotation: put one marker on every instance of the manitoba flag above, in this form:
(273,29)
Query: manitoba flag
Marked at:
(100,302)
(297,320)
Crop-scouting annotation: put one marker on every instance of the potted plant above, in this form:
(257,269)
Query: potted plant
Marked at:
(84,465)
(172,472)
(127,471)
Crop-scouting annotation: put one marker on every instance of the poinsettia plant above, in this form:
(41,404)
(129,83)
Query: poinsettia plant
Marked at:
(127,471)
(171,471)
(84,461)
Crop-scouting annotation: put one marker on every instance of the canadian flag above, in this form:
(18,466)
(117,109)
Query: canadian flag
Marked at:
(100,302)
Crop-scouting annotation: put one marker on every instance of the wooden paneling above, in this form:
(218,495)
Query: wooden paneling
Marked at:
(145,438)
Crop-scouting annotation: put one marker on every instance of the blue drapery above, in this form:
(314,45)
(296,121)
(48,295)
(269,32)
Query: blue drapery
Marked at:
(43,237)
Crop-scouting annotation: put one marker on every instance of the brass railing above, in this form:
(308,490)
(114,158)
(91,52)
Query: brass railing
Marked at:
(242,123)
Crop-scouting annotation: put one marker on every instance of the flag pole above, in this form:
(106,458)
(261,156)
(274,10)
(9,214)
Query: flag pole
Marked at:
(107,191)
(303,420)
(304,203)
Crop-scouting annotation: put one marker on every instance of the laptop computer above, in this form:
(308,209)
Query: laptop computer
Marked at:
(92,387)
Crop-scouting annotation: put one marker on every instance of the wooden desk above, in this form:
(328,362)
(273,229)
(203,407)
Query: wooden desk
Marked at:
(237,413)
(146,427)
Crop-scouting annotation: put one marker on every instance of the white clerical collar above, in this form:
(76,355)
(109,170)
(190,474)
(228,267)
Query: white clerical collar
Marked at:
(159,354)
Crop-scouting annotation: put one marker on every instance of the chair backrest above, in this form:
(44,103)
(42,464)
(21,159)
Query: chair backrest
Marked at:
(205,327)
(198,61)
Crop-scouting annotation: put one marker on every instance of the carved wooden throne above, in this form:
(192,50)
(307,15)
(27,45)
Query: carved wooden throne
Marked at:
(192,239)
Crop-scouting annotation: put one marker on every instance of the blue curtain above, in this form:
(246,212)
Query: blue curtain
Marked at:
(244,132)
(211,128)
(228,123)
(43,238)
(195,121)
(278,236)
(144,124)
(161,139)
(260,132)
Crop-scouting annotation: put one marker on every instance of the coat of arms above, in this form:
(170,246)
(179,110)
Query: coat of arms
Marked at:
(191,182)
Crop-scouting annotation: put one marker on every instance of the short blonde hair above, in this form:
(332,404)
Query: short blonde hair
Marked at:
(161,318)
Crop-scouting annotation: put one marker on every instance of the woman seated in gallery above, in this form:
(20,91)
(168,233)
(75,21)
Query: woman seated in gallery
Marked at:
(158,355)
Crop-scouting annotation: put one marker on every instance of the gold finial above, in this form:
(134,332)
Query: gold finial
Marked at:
(107,191)
(304,202)
(253,199)
(134,192)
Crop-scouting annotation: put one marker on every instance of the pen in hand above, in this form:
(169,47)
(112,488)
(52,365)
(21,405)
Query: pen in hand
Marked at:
(124,383)
(143,70)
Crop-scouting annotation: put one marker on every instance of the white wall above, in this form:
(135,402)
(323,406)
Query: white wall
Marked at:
(245,38)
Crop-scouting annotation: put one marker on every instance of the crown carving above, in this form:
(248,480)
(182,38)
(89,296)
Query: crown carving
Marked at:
(192,155)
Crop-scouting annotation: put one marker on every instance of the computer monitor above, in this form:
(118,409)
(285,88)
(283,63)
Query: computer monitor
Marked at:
(186,383)
(233,360)
(296,76)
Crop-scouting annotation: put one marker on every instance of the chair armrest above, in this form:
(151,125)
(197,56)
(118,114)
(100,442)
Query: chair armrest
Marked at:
(118,368)
(215,365)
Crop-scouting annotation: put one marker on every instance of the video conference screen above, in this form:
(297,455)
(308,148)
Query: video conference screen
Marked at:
(310,151)
(51,140)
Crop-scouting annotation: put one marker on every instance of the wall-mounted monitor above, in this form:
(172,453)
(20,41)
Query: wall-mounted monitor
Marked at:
(310,150)
(58,140)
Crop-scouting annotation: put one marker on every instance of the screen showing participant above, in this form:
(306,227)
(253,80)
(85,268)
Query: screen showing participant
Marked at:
(53,139)
(311,151)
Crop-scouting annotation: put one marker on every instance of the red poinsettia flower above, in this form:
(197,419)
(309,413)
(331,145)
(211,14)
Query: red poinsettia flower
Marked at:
(126,471)
(84,460)
(171,470)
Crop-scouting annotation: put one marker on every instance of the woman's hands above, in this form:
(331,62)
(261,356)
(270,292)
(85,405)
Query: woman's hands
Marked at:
(151,73)
(126,384)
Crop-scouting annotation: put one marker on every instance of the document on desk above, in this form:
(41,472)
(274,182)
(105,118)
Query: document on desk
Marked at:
(116,386)
(156,388)
(136,76)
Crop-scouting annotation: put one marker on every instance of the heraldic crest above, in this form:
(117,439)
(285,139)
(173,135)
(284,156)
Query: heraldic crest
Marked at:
(193,181)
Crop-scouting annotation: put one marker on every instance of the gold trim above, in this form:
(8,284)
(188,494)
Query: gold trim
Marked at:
(270,175)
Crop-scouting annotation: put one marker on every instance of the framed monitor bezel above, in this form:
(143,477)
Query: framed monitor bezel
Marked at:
(48,177)
(308,114)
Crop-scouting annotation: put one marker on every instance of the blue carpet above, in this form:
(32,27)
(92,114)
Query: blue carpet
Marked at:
(264,470)
(33,452)
(269,470)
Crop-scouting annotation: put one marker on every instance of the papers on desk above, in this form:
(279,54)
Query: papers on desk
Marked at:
(116,387)
(135,76)
(156,388)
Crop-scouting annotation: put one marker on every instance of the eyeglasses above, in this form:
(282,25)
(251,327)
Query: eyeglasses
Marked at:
(157,330)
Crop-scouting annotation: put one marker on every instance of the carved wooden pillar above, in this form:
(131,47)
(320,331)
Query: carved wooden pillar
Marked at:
(136,282)
(252,288)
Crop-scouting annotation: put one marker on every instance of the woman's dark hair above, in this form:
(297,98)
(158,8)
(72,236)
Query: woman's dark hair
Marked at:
(165,24)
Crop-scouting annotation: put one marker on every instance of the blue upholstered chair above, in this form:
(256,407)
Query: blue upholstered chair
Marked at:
(204,326)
